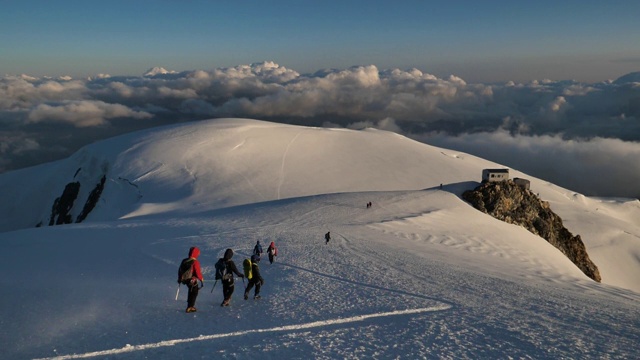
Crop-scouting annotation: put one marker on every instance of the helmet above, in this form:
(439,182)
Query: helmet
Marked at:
(255,258)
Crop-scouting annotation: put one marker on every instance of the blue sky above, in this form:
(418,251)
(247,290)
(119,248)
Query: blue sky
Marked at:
(479,41)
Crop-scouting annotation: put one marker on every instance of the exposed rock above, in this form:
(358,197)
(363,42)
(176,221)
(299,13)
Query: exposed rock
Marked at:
(62,205)
(513,204)
(92,200)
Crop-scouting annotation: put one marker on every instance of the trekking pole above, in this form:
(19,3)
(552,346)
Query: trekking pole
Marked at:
(177,292)
(214,286)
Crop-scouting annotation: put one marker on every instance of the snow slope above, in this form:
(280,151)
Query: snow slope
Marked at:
(228,162)
(419,275)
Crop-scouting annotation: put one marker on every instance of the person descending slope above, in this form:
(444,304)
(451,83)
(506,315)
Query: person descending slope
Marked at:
(189,273)
(228,281)
(327,237)
(256,279)
(257,250)
(272,251)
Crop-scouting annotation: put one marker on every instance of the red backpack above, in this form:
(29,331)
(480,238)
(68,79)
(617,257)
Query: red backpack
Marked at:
(273,250)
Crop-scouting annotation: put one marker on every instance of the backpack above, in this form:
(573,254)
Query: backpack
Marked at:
(185,271)
(257,250)
(221,270)
(248,270)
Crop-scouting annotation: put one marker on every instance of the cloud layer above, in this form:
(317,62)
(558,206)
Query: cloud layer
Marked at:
(562,131)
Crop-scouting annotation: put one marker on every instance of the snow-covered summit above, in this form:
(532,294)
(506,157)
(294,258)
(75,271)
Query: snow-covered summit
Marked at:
(158,71)
(227,162)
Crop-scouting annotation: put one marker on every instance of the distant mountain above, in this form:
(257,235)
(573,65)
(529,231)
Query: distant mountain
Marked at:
(633,77)
(158,71)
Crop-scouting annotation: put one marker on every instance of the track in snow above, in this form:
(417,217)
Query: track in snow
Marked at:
(315,324)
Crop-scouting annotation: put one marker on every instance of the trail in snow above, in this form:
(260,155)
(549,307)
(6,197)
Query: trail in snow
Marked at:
(131,348)
(315,295)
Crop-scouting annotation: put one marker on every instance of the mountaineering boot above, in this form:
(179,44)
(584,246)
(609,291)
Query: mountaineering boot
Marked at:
(257,297)
(225,303)
(191,309)
(246,296)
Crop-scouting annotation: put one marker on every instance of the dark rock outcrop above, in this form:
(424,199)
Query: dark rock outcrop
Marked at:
(62,205)
(513,204)
(92,200)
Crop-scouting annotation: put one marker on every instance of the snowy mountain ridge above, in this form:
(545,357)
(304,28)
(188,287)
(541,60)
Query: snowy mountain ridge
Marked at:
(196,167)
(157,70)
(227,162)
(419,274)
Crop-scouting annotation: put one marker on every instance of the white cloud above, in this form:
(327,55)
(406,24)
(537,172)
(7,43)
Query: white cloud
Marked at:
(165,91)
(123,90)
(387,124)
(406,101)
(82,113)
(359,93)
(197,107)
(557,104)
(597,166)
(12,146)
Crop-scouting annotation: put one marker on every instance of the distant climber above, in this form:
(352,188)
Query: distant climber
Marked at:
(272,251)
(257,250)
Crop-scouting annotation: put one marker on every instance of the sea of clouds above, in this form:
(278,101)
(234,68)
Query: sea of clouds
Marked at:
(585,137)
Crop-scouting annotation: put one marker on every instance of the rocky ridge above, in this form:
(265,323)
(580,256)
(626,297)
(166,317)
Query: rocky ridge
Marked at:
(63,206)
(514,204)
